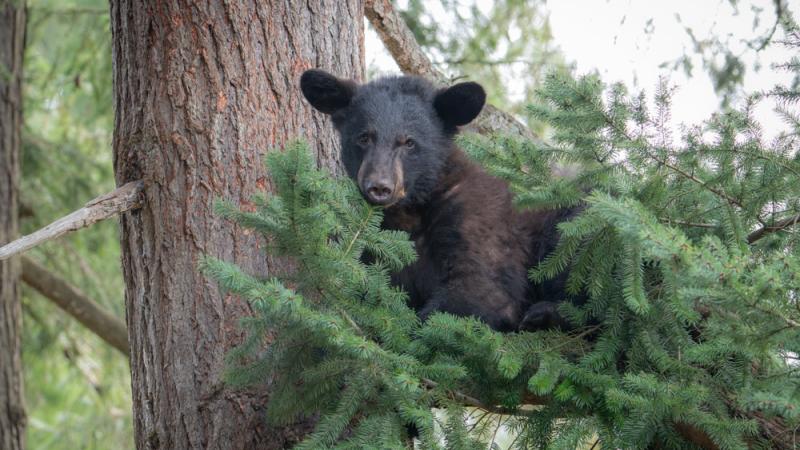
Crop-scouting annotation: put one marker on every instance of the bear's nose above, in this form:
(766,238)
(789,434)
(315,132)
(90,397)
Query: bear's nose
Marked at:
(379,192)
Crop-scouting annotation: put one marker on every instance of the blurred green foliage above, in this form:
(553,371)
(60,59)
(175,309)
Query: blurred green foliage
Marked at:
(77,387)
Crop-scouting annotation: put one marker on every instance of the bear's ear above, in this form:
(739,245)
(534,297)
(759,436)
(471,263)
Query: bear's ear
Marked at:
(325,92)
(460,103)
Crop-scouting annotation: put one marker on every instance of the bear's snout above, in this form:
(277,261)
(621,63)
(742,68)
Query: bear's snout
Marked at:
(378,192)
(381,179)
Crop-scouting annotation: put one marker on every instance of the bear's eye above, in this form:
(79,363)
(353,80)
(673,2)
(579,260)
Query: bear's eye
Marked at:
(363,139)
(409,144)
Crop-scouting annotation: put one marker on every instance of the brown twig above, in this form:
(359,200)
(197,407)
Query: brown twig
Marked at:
(688,176)
(24,211)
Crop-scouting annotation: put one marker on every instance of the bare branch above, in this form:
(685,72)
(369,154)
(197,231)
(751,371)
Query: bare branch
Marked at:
(120,200)
(401,44)
(75,303)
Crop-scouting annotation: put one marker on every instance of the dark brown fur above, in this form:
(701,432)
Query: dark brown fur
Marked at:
(470,236)
(474,248)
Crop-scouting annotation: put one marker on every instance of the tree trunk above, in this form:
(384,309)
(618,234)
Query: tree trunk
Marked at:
(202,90)
(12,407)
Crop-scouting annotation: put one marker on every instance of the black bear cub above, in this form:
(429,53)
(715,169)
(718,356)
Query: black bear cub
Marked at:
(474,248)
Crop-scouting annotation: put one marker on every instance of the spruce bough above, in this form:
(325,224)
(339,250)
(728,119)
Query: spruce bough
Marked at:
(687,255)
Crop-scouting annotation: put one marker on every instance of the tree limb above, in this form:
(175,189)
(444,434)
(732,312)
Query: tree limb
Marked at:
(75,303)
(779,225)
(120,200)
(401,44)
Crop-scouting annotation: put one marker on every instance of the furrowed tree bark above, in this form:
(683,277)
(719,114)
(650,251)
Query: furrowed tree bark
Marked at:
(12,43)
(202,90)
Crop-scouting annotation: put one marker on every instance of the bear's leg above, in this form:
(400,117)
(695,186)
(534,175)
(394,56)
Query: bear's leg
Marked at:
(543,316)
(463,299)
(436,302)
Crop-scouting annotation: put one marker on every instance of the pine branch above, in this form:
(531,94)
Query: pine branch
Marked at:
(468,400)
(75,303)
(122,199)
(688,431)
(688,176)
(669,221)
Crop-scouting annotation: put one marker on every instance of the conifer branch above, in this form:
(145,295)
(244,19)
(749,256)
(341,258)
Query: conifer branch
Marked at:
(468,400)
(368,336)
(662,161)
(688,431)
(788,321)
(75,303)
(690,177)
(669,221)
(361,228)
(753,236)
(122,199)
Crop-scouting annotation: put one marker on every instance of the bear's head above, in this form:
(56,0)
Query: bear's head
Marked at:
(396,132)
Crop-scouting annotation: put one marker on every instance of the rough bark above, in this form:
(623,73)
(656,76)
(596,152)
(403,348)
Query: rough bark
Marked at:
(202,90)
(75,303)
(12,408)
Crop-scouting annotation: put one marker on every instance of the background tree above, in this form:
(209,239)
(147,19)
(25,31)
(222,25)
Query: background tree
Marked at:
(202,91)
(12,38)
(77,387)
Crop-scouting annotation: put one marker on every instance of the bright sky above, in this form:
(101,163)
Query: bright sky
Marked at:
(611,36)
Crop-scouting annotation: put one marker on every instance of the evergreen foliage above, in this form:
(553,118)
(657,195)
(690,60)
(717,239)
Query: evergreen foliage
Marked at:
(686,252)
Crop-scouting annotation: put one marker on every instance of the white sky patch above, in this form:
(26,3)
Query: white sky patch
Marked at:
(609,36)
(377,57)
(627,41)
